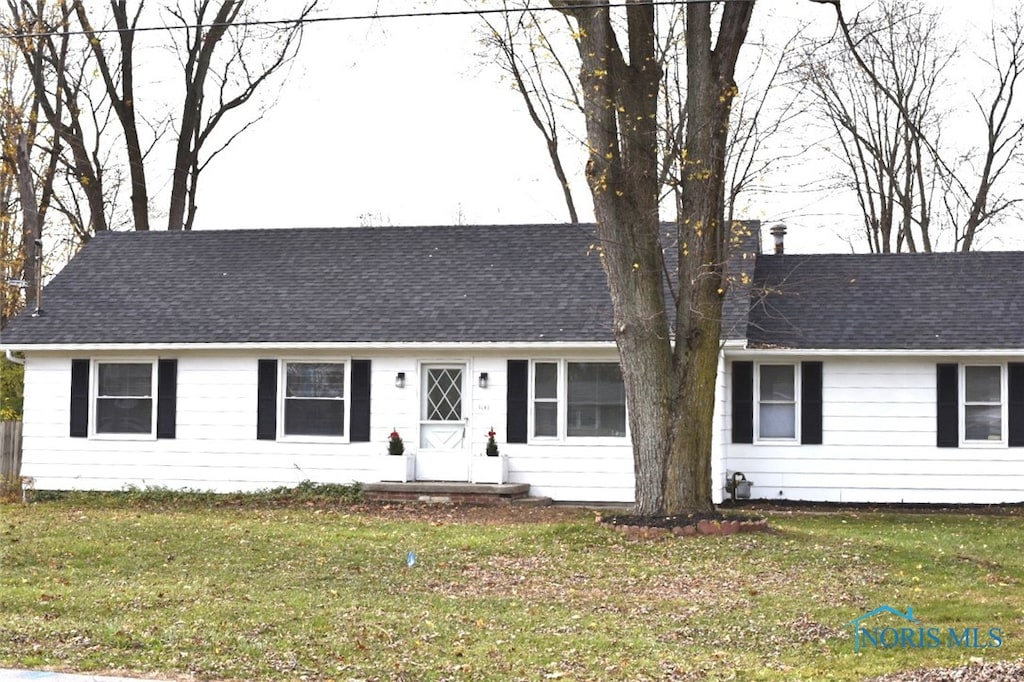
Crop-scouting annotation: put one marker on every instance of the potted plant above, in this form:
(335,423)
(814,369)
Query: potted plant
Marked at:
(397,465)
(395,444)
(492,466)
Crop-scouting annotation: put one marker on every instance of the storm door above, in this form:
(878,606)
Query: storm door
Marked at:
(443,453)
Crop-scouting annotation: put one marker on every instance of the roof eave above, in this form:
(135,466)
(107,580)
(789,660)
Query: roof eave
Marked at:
(781,352)
(284,346)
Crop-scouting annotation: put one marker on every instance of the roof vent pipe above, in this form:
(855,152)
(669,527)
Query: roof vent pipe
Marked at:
(38,243)
(779,234)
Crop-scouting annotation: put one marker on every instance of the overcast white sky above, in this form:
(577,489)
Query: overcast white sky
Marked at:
(400,120)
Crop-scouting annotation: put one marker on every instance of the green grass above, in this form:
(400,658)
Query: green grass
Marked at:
(319,590)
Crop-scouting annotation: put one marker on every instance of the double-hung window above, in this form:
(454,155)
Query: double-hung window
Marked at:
(545,400)
(124,398)
(983,403)
(577,400)
(314,399)
(776,402)
(596,403)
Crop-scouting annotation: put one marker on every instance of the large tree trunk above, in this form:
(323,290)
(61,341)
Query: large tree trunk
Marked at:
(620,102)
(123,103)
(670,392)
(31,231)
(197,67)
(703,242)
(50,51)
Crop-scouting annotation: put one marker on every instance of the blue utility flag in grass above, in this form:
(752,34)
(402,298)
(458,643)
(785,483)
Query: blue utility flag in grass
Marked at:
(410,559)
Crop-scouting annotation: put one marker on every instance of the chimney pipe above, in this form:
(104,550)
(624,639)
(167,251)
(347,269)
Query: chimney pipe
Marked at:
(778,232)
(38,258)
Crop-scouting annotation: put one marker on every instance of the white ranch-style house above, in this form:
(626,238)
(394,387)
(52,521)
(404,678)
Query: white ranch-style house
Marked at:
(246,359)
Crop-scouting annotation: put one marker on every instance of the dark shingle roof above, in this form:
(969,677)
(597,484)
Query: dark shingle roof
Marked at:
(352,285)
(744,245)
(889,301)
(520,283)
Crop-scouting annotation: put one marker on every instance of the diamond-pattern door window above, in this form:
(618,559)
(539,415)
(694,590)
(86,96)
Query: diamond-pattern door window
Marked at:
(444,395)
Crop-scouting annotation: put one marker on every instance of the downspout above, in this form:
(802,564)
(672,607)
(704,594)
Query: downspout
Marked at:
(11,358)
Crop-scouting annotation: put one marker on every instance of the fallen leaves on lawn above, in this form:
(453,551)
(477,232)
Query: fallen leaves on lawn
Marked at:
(1001,671)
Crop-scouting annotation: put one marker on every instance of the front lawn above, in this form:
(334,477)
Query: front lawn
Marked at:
(320,591)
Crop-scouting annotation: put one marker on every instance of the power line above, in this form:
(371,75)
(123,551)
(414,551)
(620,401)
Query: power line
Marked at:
(358,17)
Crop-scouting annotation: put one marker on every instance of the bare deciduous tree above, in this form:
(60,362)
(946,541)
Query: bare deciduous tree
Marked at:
(225,55)
(120,91)
(532,49)
(972,205)
(522,48)
(760,116)
(60,83)
(886,94)
(215,88)
(882,140)
(24,195)
(668,349)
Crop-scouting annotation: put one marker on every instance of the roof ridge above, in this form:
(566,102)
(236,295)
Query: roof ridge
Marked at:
(901,254)
(339,228)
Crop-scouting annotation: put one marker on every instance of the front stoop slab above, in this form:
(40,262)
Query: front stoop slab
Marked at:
(532,502)
(450,493)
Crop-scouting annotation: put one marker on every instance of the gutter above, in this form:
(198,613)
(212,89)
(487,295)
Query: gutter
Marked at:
(493,346)
(869,352)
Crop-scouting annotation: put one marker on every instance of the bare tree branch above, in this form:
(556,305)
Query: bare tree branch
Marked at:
(972,197)
(530,83)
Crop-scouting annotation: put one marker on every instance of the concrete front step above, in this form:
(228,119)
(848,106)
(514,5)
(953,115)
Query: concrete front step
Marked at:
(532,502)
(452,493)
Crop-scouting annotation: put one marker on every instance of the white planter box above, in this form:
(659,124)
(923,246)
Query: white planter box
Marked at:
(400,468)
(484,469)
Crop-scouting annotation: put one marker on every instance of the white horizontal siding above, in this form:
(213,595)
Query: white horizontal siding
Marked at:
(907,465)
(720,429)
(558,470)
(216,446)
(878,419)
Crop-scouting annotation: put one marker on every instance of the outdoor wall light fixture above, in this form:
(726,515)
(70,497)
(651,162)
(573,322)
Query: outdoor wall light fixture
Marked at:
(400,380)
(483,379)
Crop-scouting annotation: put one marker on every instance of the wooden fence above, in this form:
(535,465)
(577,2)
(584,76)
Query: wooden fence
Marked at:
(10,459)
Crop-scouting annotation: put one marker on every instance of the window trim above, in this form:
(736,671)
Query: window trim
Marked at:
(562,392)
(796,438)
(559,400)
(282,397)
(94,386)
(1003,406)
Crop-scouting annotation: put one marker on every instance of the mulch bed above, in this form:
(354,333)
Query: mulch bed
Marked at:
(712,523)
(1004,509)
(725,521)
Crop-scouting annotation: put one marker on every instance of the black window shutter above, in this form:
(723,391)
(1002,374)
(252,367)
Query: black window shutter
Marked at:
(518,400)
(266,400)
(810,403)
(742,402)
(947,426)
(79,398)
(1016,389)
(166,398)
(360,430)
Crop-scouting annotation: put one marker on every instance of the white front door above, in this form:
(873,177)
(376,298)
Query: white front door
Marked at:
(443,453)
